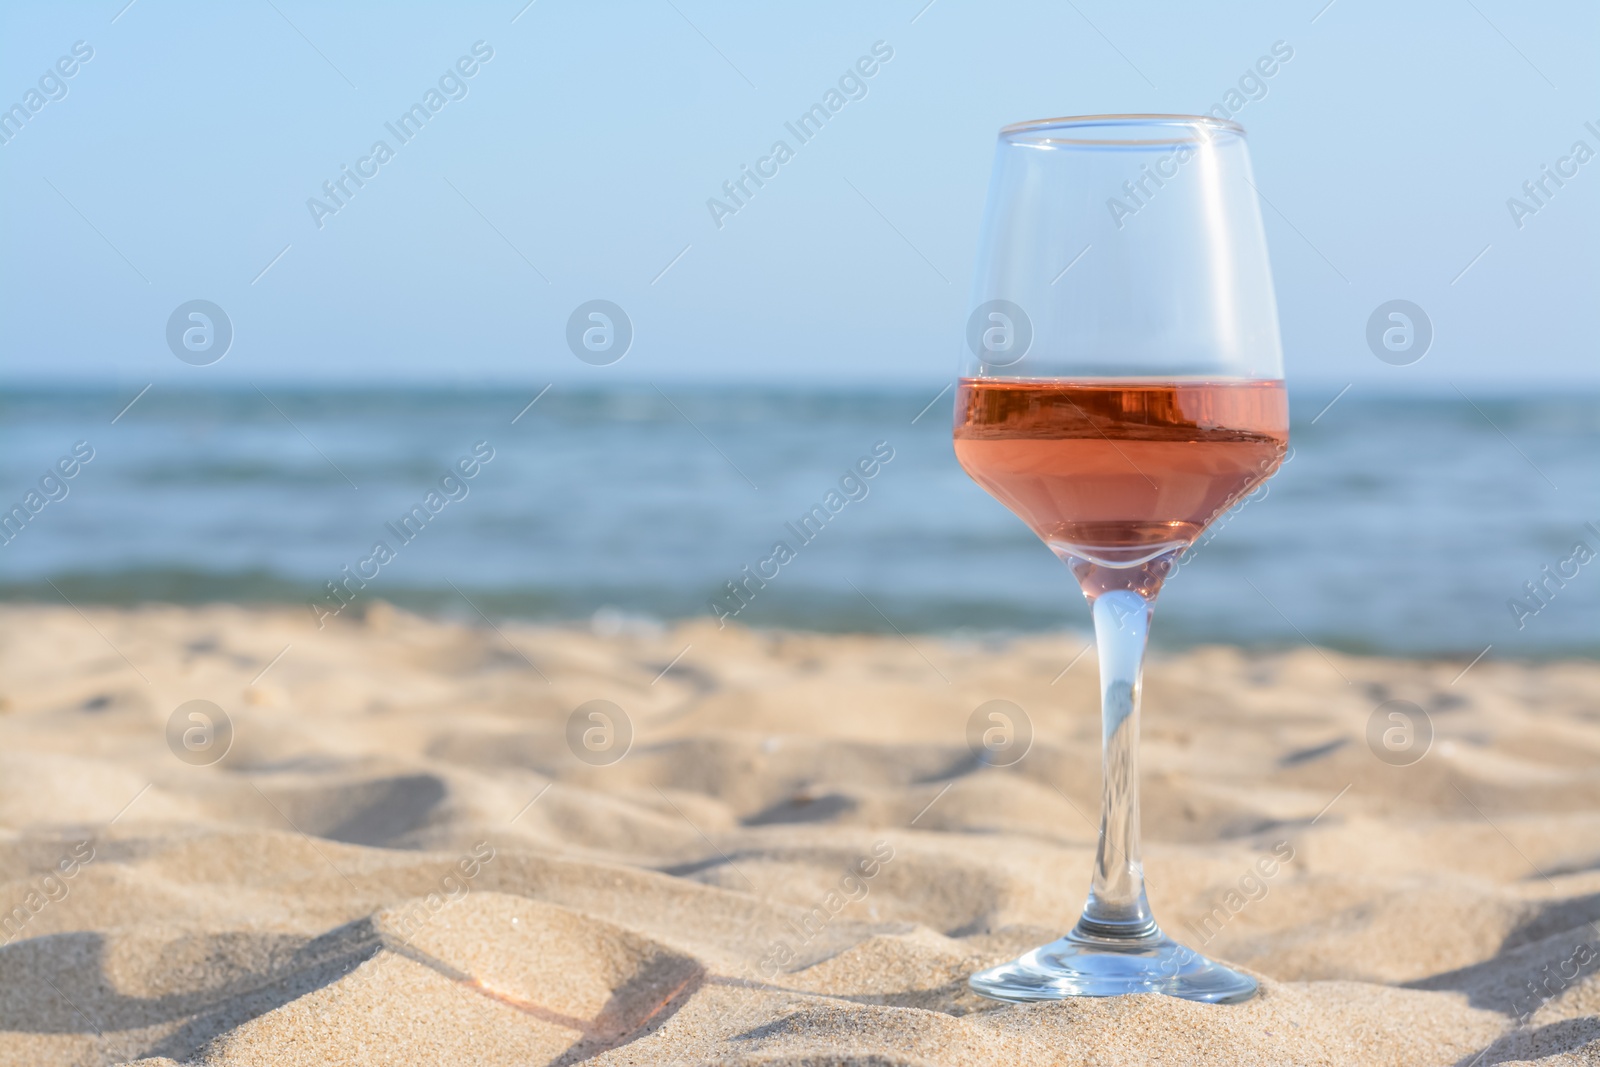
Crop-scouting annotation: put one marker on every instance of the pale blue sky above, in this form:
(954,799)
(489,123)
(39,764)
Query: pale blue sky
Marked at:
(180,160)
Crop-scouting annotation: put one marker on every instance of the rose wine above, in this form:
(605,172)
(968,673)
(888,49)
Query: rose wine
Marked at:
(1119,472)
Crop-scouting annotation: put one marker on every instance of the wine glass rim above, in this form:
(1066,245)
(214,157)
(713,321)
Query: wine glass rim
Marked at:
(1206,124)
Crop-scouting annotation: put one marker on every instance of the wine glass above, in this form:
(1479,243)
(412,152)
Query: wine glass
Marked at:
(1121,387)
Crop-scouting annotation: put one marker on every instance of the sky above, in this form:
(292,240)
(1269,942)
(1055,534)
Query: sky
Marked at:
(576,161)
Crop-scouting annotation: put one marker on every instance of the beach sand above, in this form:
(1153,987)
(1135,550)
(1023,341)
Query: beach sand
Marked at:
(798,859)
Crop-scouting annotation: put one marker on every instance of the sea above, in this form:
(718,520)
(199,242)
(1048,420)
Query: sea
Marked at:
(1417,525)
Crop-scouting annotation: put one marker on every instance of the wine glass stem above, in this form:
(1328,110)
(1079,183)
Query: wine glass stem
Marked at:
(1117,905)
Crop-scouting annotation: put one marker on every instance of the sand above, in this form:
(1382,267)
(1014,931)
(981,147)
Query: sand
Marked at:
(798,859)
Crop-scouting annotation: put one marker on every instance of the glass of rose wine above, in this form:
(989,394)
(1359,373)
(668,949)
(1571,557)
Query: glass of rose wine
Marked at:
(1121,387)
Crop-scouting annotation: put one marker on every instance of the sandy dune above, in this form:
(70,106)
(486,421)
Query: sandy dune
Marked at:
(798,859)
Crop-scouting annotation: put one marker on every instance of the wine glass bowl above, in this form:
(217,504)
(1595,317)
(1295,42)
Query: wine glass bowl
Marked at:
(1121,388)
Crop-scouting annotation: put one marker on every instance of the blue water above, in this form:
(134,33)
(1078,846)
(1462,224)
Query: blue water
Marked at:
(1399,525)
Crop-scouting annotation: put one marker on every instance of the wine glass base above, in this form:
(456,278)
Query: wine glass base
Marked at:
(1083,965)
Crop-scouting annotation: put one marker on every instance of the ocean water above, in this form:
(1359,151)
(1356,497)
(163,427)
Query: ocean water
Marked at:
(1402,525)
